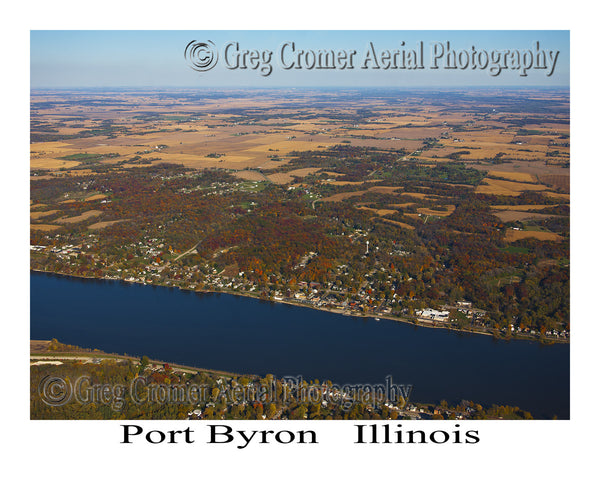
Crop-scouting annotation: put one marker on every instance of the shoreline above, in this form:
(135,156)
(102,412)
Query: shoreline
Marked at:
(408,321)
(75,355)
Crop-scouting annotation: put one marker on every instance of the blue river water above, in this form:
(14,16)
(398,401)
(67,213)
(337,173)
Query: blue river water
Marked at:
(245,335)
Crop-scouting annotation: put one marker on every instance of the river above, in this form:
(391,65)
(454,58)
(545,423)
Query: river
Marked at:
(246,335)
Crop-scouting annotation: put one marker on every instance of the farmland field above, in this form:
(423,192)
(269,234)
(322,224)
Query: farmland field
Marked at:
(514,235)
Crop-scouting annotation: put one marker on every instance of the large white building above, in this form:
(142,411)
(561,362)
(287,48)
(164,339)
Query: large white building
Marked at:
(433,314)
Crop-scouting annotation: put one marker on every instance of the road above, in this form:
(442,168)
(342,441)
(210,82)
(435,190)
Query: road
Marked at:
(187,252)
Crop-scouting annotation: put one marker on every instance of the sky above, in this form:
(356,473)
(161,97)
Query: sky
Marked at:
(138,58)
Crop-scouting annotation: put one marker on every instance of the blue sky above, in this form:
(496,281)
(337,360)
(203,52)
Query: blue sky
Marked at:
(112,58)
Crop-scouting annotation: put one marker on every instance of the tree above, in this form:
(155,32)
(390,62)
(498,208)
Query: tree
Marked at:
(144,362)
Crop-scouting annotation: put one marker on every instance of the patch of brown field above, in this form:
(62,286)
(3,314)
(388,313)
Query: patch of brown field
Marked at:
(36,215)
(41,177)
(464,185)
(561,182)
(378,211)
(231,271)
(399,224)
(43,227)
(303,172)
(51,163)
(490,190)
(338,197)
(488,146)
(280,178)
(38,205)
(186,148)
(401,205)
(534,139)
(491,186)
(101,225)
(516,216)
(68,201)
(37,346)
(288,177)
(514,235)
(98,196)
(485,136)
(516,176)
(417,133)
(333,174)
(561,196)
(252,175)
(438,213)
(416,195)
(271,164)
(284,147)
(538,167)
(233,161)
(340,183)
(80,218)
(521,208)
(78,173)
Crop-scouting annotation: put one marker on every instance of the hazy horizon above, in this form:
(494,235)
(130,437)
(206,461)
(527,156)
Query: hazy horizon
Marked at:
(155,59)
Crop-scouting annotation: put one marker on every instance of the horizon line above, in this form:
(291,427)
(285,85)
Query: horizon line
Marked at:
(254,87)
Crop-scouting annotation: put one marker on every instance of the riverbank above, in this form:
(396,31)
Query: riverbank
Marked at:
(80,356)
(415,321)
